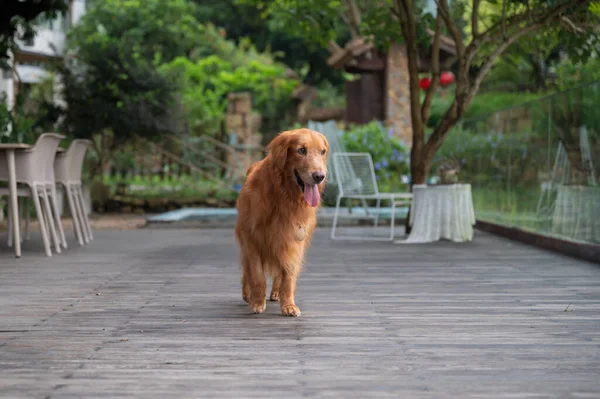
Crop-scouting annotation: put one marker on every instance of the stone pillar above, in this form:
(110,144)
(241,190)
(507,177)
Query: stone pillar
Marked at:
(244,124)
(398,94)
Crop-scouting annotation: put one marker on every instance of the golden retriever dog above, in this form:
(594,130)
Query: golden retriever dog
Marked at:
(277,214)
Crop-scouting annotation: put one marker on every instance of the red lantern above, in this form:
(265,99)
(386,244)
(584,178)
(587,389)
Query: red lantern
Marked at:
(424,83)
(446,78)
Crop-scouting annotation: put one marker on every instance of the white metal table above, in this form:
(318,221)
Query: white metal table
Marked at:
(10,150)
(441,212)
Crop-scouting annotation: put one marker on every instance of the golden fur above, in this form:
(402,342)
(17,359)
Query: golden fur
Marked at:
(271,206)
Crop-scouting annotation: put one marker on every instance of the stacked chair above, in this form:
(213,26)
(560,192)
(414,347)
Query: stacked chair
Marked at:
(38,171)
(67,172)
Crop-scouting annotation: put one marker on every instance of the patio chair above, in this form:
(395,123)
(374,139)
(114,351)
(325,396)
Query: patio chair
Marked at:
(333,135)
(356,180)
(34,169)
(67,169)
(336,145)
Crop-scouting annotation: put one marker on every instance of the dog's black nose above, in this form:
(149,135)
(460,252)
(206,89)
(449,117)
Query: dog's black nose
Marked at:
(318,177)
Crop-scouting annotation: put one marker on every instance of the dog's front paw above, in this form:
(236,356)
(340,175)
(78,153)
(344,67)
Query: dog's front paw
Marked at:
(258,307)
(275,296)
(290,310)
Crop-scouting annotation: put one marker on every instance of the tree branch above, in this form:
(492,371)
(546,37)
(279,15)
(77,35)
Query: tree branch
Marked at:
(499,50)
(460,104)
(347,21)
(406,16)
(435,70)
(448,63)
(575,29)
(354,14)
(443,9)
(475,18)
(494,33)
(503,18)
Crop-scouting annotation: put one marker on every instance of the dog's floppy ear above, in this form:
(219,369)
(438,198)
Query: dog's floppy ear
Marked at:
(278,149)
(326,142)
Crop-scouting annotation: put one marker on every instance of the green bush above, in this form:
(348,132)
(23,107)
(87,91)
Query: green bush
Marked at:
(486,158)
(504,169)
(571,74)
(171,187)
(390,156)
(225,67)
(483,104)
(4,117)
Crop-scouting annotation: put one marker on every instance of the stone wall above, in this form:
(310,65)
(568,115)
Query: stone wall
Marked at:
(398,94)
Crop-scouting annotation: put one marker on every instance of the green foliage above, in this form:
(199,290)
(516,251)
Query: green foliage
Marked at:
(482,105)
(4,116)
(579,43)
(390,156)
(169,188)
(155,30)
(570,74)
(317,24)
(508,154)
(499,23)
(34,112)
(492,153)
(111,76)
(205,82)
(329,95)
(148,68)
(526,65)
(241,21)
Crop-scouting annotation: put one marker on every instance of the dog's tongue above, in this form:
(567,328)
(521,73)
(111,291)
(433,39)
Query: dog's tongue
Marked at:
(311,194)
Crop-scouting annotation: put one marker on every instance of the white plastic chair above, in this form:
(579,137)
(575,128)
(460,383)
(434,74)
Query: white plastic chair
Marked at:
(34,169)
(356,180)
(67,170)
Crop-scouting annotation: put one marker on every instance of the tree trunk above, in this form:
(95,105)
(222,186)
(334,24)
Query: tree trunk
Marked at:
(578,173)
(420,164)
(539,77)
(420,171)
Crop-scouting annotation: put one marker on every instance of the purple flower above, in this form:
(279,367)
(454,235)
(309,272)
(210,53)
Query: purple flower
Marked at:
(384,163)
(377,166)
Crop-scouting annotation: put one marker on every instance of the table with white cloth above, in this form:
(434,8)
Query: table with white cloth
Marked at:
(441,212)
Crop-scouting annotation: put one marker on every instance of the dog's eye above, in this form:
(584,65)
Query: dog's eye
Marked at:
(302,151)
(323,152)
